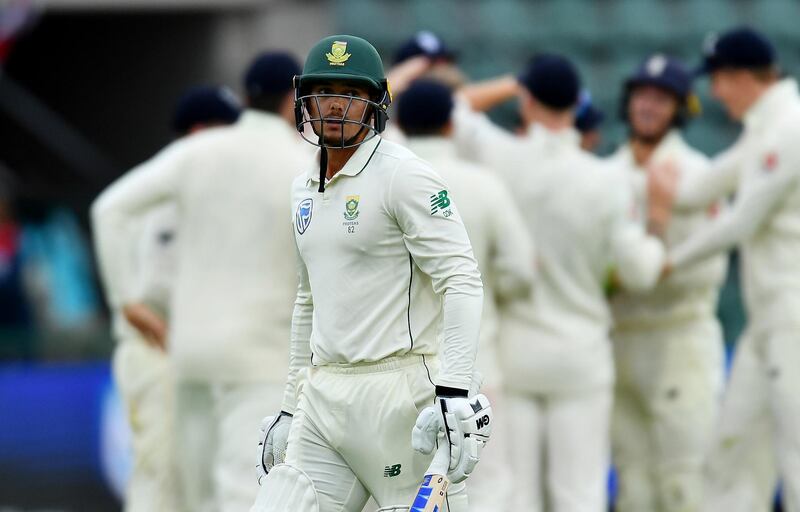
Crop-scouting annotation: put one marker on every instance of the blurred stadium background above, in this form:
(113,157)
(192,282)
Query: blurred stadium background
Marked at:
(86,92)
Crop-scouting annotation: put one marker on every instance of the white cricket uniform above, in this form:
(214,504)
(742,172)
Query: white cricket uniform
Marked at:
(142,372)
(234,285)
(763,168)
(388,302)
(555,348)
(504,251)
(668,352)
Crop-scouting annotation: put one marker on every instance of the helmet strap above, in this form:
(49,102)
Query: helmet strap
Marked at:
(323,165)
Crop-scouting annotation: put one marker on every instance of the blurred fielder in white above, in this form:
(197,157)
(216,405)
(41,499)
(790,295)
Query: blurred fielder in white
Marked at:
(139,300)
(234,285)
(763,169)
(668,346)
(555,349)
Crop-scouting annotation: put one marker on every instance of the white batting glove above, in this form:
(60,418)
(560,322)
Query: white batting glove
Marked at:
(272,447)
(466,424)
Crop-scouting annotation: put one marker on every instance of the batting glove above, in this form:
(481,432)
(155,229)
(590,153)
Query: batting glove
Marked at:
(464,423)
(272,447)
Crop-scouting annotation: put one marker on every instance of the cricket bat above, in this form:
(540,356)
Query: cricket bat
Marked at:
(433,490)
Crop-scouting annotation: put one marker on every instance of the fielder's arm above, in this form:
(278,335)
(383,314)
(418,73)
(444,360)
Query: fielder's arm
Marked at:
(115,214)
(752,207)
(700,190)
(483,96)
(400,76)
(637,258)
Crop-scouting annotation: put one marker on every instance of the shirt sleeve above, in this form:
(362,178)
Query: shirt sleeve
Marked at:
(156,257)
(699,190)
(636,256)
(512,263)
(435,236)
(115,214)
(300,338)
(475,134)
(752,207)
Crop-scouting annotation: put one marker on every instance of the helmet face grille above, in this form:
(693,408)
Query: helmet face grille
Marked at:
(308,113)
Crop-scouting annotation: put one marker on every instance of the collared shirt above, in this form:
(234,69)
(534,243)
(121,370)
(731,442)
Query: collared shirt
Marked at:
(385,267)
(763,168)
(690,292)
(234,285)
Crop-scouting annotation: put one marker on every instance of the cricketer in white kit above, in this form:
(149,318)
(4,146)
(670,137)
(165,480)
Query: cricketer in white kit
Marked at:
(763,169)
(387,313)
(504,251)
(555,350)
(141,367)
(668,346)
(231,302)
(139,300)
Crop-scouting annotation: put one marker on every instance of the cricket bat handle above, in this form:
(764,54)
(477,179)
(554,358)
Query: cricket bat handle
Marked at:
(432,492)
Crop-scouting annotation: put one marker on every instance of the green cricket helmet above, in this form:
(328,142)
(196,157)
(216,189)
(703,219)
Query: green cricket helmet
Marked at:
(349,59)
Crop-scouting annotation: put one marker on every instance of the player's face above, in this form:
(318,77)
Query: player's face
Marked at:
(343,104)
(729,87)
(651,111)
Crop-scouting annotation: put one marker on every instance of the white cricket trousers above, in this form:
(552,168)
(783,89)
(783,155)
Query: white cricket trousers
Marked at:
(559,450)
(667,395)
(217,429)
(351,433)
(143,377)
(759,428)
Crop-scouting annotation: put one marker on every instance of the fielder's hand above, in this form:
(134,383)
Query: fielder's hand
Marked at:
(465,423)
(662,187)
(272,447)
(151,326)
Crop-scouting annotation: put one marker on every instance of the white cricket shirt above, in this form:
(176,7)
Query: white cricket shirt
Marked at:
(385,267)
(235,282)
(763,168)
(692,291)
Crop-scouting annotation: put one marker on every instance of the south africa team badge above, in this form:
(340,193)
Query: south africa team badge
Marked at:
(351,207)
(302,218)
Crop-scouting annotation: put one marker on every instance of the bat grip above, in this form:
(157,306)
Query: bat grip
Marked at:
(441,459)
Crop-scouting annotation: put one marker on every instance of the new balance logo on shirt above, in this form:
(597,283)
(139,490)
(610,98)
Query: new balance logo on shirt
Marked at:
(439,202)
(390,471)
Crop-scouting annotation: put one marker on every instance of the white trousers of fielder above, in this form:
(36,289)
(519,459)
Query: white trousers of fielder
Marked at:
(560,450)
(144,379)
(758,435)
(217,428)
(668,389)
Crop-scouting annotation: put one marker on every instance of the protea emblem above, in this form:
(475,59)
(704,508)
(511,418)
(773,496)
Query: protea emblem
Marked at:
(338,54)
(351,207)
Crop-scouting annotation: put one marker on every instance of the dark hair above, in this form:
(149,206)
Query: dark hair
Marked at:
(424,108)
(267,102)
(767,74)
